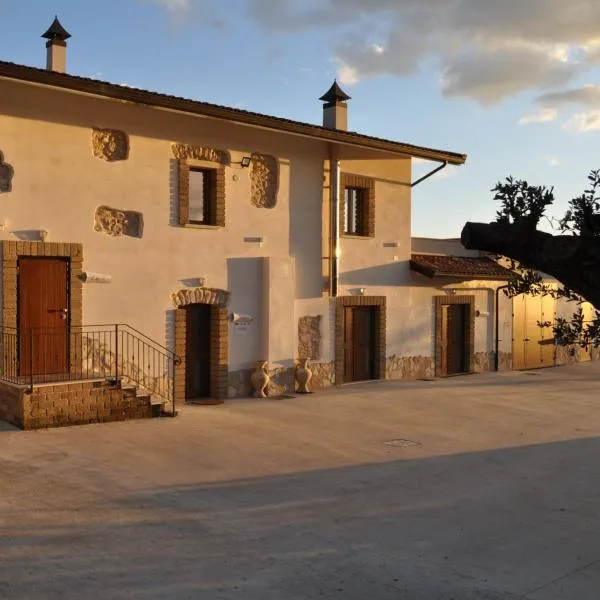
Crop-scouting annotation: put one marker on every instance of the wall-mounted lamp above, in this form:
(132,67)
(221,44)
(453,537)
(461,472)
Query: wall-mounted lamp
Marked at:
(245,162)
(95,278)
(240,318)
(43,235)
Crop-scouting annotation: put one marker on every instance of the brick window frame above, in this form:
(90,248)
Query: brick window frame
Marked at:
(441,301)
(380,302)
(367,185)
(219,354)
(217,192)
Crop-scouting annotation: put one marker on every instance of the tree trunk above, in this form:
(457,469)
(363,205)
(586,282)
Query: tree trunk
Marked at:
(573,260)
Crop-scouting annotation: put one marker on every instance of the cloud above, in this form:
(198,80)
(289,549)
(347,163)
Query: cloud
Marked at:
(553,161)
(175,6)
(542,116)
(484,50)
(347,75)
(584,122)
(587,95)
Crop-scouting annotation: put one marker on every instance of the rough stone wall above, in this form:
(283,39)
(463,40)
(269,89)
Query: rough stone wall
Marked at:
(11,404)
(309,337)
(409,367)
(264,181)
(568,355)
(239,384)
(323,375)
(282,380)
(484,361)
(81,403)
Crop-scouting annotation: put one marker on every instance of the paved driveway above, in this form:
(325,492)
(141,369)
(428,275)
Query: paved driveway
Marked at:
(482,487)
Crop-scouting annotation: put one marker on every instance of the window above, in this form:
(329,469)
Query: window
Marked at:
(357,205)
(354,211)
(201,193)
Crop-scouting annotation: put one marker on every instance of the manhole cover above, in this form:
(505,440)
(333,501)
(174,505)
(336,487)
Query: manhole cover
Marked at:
(401,443)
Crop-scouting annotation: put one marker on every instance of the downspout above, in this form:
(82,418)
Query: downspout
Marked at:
(334,236)
(497,328)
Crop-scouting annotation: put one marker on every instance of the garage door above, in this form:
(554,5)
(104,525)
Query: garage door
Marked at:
(533,346)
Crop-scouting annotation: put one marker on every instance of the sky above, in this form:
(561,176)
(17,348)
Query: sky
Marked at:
(513,84)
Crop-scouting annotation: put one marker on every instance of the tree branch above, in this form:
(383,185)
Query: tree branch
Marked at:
(573,260)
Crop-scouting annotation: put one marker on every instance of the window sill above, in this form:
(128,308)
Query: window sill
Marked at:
(200,226)
(352,236)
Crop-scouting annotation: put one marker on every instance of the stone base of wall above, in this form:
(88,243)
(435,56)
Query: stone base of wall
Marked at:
(239,384)
(409,367)
(484,361)
(323,375)
(568,355)
(11,404)
(70,404)
(282,380)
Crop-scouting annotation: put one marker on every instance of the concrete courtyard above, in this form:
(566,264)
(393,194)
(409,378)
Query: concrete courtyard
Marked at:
(480,487)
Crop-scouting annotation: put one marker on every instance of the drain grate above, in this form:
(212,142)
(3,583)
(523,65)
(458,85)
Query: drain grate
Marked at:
(401,443)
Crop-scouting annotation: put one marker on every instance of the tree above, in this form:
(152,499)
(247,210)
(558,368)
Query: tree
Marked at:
(572,256)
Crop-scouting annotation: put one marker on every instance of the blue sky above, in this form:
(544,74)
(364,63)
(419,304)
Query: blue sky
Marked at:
(513,84)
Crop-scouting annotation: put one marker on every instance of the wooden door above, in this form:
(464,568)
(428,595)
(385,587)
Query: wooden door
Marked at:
(456,338)
(197,359)
(43,315)
(359,343)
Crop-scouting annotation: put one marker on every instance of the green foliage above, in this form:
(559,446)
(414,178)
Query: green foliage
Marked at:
(521,202)
(582,217)
(526,204)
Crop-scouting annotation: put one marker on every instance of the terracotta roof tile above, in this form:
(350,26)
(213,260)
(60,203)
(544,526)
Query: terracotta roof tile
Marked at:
(464,267)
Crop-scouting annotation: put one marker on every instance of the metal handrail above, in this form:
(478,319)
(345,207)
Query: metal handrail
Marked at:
(112,351)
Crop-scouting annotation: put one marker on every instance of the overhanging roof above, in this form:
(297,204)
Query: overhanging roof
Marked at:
(128,94)
(459,267)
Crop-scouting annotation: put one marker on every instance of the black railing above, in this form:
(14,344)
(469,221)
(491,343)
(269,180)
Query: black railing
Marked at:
(117,352)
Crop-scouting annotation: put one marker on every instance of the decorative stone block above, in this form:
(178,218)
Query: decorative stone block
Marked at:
(309,337)
(264,180)
(110,144)
(6,175)
(115,222)
(200,295)
(185,151)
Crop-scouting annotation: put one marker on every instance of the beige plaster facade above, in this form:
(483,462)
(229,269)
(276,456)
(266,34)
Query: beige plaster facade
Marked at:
(106,175)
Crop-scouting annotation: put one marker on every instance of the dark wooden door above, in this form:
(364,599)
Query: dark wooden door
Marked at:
(197,358)
(43,316)
(359,343)
(456,339)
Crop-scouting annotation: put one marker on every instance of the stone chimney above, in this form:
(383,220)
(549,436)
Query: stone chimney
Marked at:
(56,47)
(335,109)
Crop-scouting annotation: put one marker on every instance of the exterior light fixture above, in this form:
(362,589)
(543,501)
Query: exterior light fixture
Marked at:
(245,162)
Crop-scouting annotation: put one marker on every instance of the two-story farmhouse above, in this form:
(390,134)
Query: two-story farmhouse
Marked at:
(173,244)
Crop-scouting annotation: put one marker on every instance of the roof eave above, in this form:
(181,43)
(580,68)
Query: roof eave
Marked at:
(422,269)
(154,99)
(473,276)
